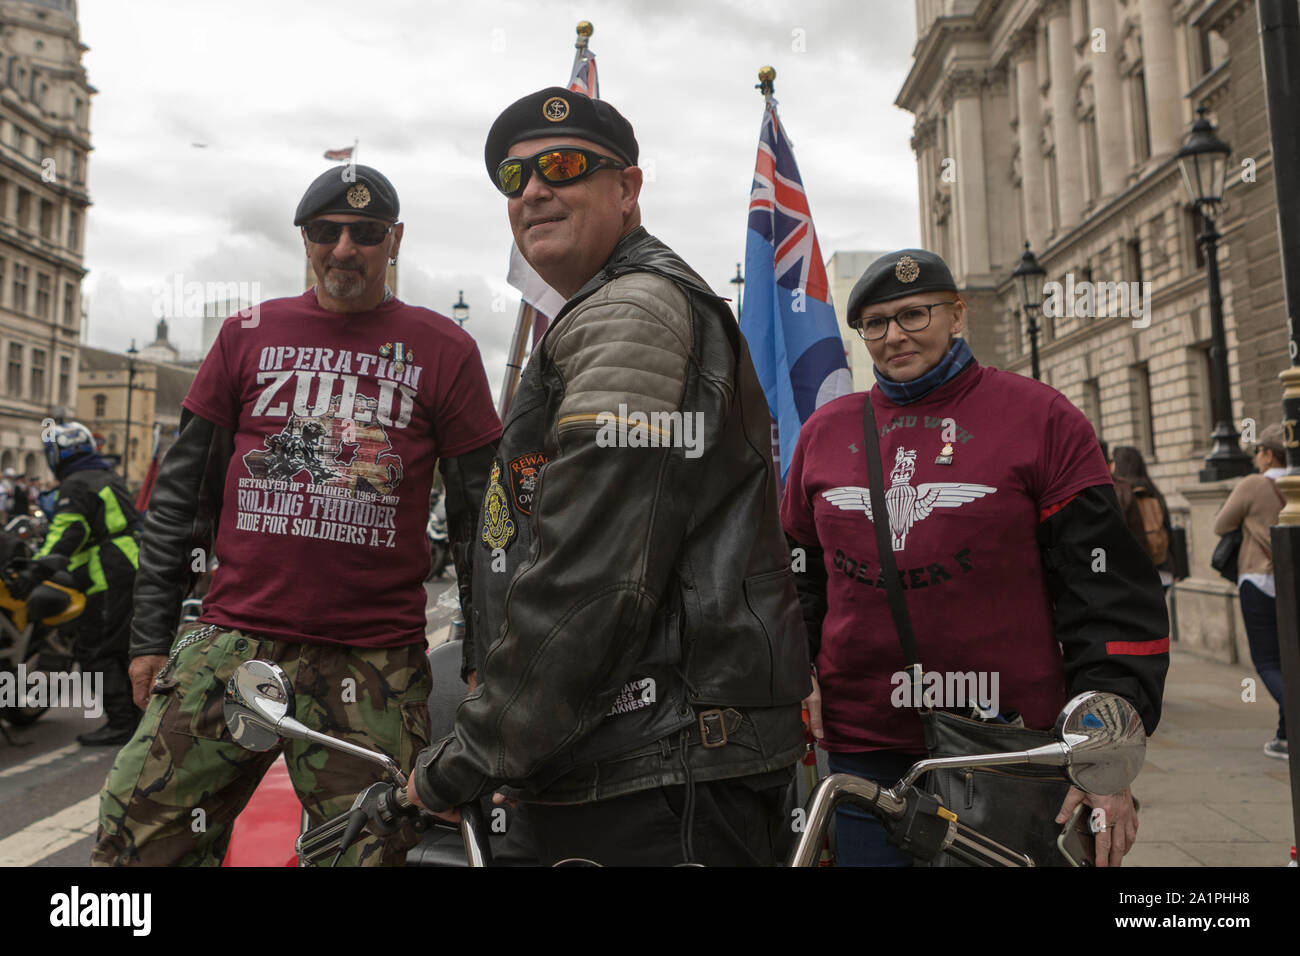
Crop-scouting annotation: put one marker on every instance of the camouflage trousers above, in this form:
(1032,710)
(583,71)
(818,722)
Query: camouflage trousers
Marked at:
(174,791)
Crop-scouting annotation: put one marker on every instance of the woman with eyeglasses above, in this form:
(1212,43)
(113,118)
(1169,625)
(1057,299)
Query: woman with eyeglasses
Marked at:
(1017,570)
(1253,507)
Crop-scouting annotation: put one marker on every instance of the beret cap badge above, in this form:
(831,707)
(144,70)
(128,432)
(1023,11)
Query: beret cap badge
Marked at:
(555,109)
(358,196)
(907,270)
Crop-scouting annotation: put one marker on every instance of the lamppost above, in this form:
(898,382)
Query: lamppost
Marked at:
(738,281)
(1029,277)
(131,353)
(1203,161)
(460,311)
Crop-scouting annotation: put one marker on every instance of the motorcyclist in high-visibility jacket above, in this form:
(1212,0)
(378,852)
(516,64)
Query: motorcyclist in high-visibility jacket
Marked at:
(95,525)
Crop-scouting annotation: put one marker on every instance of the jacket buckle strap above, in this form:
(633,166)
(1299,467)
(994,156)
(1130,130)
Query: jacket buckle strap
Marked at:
(716,724)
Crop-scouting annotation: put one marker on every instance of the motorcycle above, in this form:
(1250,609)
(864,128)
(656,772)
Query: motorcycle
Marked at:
(32,636)
(436,531)
(1100,745)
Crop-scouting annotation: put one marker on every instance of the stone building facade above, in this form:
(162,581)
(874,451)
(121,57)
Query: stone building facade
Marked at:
(155,393)
(1057,123)
(44,143)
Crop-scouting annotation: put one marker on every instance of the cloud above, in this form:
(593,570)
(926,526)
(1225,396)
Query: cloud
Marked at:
(269,87)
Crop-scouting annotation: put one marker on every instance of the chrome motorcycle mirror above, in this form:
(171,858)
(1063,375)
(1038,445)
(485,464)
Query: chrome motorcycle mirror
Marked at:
(1101,746)
(1104,740)
(259,707)
(258,697)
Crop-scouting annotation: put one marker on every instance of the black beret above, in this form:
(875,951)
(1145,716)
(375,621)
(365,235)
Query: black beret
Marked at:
(892,276)
(351,190)
(556,111)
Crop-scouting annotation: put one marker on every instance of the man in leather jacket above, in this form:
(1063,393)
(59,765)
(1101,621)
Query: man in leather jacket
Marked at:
(637,636)
(322,556)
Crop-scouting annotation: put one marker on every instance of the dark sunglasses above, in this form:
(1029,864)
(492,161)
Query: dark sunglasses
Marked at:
(558,167)
(326,232)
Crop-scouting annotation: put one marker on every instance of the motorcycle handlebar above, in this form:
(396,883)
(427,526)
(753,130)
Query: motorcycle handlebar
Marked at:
(322,842)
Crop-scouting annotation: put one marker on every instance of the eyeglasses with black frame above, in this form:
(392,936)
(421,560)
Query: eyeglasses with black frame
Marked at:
(915,318)
(326,232)
(559,166)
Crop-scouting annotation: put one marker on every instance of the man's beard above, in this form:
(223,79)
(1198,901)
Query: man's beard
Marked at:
(344,279)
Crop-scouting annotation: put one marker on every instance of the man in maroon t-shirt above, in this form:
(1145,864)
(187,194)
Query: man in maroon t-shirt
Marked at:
(306,456)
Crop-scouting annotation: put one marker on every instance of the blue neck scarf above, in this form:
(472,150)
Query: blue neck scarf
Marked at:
(904,393)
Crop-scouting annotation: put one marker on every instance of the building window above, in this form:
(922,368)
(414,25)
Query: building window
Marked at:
(38,375)
(1203,382)
(1092,158)
(24,207)
(20,288)
(47,219)
(1133,259)
(15,381)
(101,405)
(74,231)
(16,137)
(65,379)
(1053,197)
(69,304)
(1141,131)
(4,198)
(44,287)
(1195,226)
(1092,403)
(1144,431)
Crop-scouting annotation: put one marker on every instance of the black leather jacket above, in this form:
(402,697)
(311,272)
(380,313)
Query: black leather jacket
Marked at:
(634,606)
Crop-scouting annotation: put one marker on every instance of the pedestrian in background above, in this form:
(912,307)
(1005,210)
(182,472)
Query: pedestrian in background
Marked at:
(1253,507)
(1156,528)
(1128,505)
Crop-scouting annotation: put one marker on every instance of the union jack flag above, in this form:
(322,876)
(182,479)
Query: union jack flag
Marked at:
(788,319)
(345,153)
(583,78)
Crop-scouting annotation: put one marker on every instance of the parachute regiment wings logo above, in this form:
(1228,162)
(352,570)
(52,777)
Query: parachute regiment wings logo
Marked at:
(906,504)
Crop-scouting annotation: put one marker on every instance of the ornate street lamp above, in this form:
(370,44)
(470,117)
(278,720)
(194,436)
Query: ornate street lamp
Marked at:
(131,353)
(1029,277)
(1203,161)
(460,311)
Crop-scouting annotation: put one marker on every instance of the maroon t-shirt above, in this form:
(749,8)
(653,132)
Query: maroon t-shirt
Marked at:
(964,542)
(338,420)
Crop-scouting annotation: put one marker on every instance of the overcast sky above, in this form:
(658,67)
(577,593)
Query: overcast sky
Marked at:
(270,86)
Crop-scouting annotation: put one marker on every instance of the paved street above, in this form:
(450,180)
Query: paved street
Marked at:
(49,784)
(1209,795)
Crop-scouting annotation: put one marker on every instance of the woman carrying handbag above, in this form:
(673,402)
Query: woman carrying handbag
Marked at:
(1253,508)
(957,524)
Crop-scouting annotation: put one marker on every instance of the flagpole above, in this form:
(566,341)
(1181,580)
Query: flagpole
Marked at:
(767,85)
(527,314)
(515,357)
(584,31)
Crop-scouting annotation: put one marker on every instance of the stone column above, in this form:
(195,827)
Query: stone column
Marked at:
(923,139)
(1030,110)
(1160,70)
(1065,128)
(1108,99)
(970,195)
